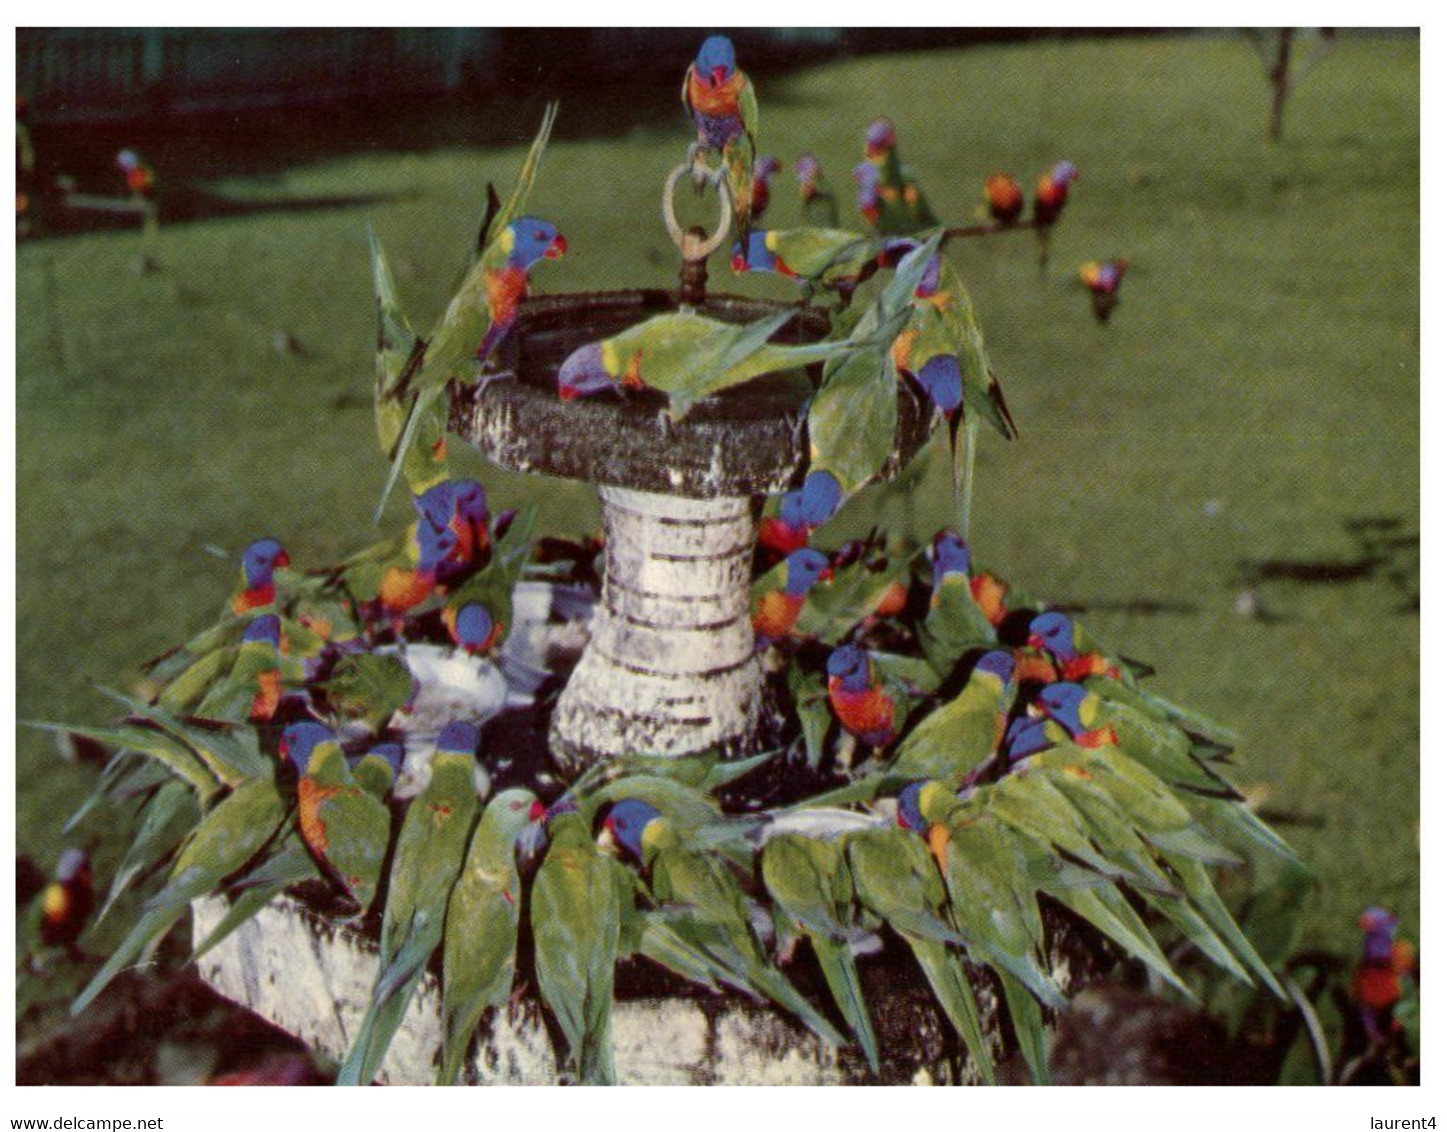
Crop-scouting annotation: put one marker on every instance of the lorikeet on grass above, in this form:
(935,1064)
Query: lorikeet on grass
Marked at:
(1003,198)
(821,208)
(67,901)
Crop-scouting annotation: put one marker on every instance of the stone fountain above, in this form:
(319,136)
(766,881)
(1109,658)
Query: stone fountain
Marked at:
(670,667)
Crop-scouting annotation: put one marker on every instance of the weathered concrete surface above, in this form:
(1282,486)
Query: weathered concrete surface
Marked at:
(312,978)
(670,667)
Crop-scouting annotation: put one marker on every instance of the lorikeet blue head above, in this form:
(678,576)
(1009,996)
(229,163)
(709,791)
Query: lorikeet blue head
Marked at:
(128,159)
(866,176)
(715,61)
(299,740)
(803,568)
(1054,633)
(997,663)
(849,664)
(879,137)
(584,374)
(627,821)
(532,240)
(791,509)
(440,503)
(808,170)
(1379,928)
(766,166)
(943,381)
(472,627)
(908,815)
(457,738)
(756,256)
(1064,173)
(259,560)
(1026,737)
(390,753)
(820,498)
(265,629)
(434,546)
(1062,703)
(952,556)
(73,864)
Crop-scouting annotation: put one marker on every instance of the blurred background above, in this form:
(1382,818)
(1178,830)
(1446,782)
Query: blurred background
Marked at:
(1225,476)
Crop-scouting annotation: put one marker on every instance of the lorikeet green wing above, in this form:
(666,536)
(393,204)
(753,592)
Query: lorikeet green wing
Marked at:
(809,881)
(898,881)
(230,834)
(576,921)
(429,854)
(480,942)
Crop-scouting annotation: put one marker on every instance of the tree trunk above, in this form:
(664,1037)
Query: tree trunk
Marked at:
(1280,82)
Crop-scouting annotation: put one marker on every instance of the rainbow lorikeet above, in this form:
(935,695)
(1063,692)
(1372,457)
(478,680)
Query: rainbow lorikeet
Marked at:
(344,826)
(687,356)
(821,208)
(765,169)
(139,176)
(957,737)
(783,530)
(1064,642)
(1003,198)
(898,205)
(1052,190)
(854,416)
(1093,721)
(1102,280)
(259,563)
(459,506)
(232,831)
(479,945)
(988,871)
(412,373)
(815,257)
(706,906)
(478,612)
(577,914)
(721,101)
(896,880)
(428,857)
(859,697)
(377,770)
(67,901)
(780,594)
(958,619)
(808,879)
(253,689)
(1377,982)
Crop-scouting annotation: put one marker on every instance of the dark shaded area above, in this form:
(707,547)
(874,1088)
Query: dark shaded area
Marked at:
(55,215)
(1386,551)
(125,1032)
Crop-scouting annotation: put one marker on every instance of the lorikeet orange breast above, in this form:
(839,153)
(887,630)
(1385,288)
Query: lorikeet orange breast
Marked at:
(777,613)
(868,714)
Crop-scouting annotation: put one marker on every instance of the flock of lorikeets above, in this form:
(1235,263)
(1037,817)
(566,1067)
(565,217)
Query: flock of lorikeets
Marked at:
(979,751)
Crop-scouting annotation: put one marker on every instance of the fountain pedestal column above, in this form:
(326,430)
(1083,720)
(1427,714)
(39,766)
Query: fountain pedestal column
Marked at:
(670,666)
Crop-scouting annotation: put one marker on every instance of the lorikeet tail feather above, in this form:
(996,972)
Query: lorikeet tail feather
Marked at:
(1029,1023)
(947,977)
(843,978)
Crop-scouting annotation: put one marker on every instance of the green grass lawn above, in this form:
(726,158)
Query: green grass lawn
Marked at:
(1256,392)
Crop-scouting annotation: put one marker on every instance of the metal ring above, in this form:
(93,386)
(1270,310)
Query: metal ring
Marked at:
(675,230)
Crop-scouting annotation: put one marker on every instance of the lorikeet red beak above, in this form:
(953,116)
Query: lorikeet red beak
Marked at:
(556,248)
(718,76)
